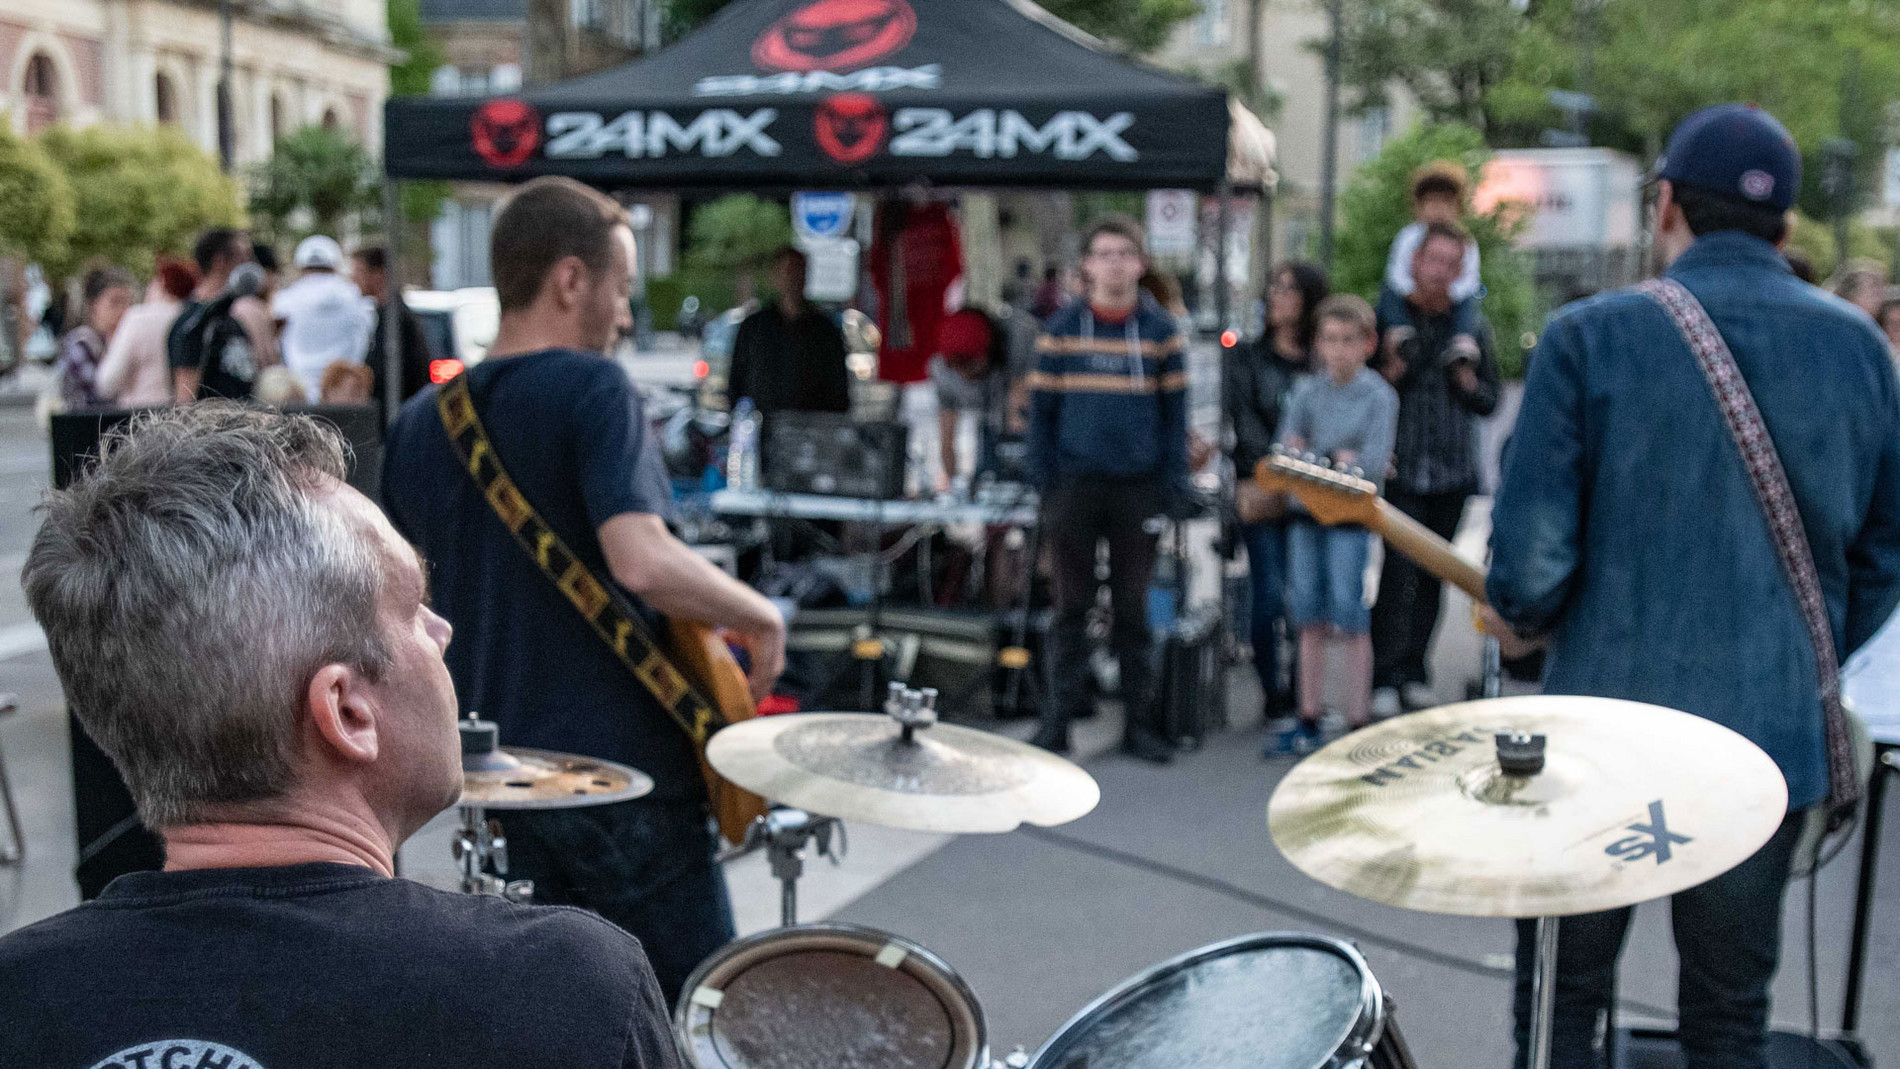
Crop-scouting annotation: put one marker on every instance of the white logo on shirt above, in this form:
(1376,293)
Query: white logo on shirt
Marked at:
(180,1054)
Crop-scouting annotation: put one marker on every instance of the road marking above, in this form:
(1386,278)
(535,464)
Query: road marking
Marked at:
(19,640)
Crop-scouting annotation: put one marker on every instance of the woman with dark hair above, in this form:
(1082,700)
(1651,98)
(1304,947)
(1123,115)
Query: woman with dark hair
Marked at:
(107,293)
(1257,379)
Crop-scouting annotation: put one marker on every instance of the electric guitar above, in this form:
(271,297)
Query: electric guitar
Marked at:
(1335,497)
(701,655)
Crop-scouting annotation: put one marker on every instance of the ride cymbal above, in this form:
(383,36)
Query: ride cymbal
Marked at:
(512,777)
(858,766)
(1633,802)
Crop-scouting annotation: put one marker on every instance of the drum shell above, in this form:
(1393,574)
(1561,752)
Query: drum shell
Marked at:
(1355,1043)
(704,1047)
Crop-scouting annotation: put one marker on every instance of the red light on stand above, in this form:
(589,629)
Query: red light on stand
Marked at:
(701,369)
(441,371)
(1229,338)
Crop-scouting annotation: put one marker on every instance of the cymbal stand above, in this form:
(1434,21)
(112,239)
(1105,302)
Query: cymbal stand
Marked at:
(784,833)
(1521,754)
(480,844)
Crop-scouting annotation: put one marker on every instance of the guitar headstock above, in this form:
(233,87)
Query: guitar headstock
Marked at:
(1331,495)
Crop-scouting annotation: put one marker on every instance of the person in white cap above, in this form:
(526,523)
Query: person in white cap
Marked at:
(322,316)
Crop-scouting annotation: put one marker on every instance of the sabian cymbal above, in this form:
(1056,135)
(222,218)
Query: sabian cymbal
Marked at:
(856,766)
(1635,802)
(519,778)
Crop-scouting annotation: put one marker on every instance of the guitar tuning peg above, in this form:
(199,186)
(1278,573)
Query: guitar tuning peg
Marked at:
(1358,472)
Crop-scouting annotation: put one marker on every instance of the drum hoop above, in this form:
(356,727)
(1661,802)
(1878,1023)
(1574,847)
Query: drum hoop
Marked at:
(1361,1037)
(682,1013)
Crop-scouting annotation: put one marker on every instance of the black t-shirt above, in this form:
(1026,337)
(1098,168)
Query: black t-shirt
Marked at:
(793,365)
(570,429)
(206,337)
(413,346)
(323,965)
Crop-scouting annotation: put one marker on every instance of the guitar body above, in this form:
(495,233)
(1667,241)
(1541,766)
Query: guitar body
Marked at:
(702,657)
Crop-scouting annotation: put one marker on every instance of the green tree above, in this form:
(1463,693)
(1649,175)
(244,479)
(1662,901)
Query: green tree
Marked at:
(1136,25)
(1376,205)
(141,190)
(1448,55)
(36,200)
(315,171)
(737,232)
(421,55)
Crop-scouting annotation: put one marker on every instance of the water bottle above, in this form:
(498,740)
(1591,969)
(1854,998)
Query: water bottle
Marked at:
(742,455)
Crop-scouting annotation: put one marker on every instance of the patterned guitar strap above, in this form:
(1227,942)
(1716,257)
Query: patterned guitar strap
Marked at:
(617,624)
(1772,493)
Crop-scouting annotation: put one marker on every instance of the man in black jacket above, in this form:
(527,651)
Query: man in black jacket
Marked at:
(1444,389)
(789,356)
(371,274)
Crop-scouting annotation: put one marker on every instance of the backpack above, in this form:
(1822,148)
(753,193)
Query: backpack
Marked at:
(212,340)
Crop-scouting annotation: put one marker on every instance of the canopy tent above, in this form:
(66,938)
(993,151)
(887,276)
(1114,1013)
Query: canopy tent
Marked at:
(852,93)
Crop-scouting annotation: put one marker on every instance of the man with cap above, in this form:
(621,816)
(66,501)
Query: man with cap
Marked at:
(322,316)
(1628,535)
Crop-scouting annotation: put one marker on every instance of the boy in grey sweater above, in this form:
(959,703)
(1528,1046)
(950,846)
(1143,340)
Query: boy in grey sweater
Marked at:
(1348,415)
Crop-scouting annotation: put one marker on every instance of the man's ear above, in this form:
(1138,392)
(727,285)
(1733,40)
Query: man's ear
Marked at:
(343,714)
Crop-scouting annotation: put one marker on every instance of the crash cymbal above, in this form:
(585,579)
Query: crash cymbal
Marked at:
(858,766)
(1634,802)
(512,777)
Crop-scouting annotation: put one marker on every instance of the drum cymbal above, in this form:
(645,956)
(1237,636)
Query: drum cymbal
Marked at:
(1634,802)
(856,766)
(517,778)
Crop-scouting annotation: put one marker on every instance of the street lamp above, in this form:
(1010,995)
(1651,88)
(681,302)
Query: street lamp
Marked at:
(1329,144)
(227,131)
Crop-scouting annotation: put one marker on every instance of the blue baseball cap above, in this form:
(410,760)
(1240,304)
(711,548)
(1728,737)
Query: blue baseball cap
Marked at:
(1734,149)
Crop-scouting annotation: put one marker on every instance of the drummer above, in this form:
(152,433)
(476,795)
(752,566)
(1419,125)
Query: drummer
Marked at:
(250,641)
(1629,530)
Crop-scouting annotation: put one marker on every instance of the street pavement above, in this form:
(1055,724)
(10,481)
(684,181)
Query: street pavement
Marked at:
(1042,921)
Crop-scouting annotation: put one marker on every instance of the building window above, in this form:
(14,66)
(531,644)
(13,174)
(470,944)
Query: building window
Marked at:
(276,119)
(42,92)
(1375,129)
(1211,28)
(165,97)
(330,121)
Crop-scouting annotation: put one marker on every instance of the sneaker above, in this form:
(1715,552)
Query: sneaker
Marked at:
(1386,704)
(1417,696)
(1297,741)
(1142,743)
(1051,738)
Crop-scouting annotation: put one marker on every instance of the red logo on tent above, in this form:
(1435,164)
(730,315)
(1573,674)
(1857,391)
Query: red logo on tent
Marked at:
(851,127)
(505,132)
(835,35)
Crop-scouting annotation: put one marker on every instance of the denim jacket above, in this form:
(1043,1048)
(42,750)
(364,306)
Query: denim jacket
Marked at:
(1626,527)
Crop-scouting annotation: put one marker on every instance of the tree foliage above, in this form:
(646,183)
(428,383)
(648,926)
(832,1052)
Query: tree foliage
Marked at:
(36,200)
(422,56)
(1136,25)
(1448,54)
(737,231)
(1376,205)
(140,191)
(315,176)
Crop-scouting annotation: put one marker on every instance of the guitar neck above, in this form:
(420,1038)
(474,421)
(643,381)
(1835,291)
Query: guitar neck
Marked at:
(1428,551)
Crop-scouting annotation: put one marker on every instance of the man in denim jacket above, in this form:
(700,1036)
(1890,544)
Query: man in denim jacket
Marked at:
(1627,535)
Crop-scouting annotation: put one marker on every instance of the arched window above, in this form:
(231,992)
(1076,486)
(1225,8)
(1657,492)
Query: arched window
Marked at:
(276,119)
(165,97)
(330,121)
(42,92)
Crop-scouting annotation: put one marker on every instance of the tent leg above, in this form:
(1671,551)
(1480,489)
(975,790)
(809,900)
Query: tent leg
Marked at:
(391,355)
(1221,267)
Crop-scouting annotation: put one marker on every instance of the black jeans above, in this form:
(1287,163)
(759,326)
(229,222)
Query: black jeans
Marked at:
(647,866)
(1409,597)
(1077,515)
(1728,937)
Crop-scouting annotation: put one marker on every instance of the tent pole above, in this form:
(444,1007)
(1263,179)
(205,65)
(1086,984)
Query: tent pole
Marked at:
(392,297)
(1221,266)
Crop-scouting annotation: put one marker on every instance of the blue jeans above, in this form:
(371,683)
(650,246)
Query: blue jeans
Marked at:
(1728,938)
(1266,575)
(647,866)
(1325,578)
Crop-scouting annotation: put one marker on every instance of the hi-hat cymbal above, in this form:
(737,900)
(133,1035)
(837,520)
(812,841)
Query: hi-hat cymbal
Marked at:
(857,766)
(513,777)
(1634,802)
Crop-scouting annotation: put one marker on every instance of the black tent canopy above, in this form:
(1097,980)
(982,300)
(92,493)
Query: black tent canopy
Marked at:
(851,93)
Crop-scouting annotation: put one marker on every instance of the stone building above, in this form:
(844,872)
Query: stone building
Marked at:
(295,63)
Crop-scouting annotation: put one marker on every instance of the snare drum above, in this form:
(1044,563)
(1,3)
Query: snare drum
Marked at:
(1275,1000)
(832,995)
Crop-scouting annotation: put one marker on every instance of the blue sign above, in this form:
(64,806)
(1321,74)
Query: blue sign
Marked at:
(823,215)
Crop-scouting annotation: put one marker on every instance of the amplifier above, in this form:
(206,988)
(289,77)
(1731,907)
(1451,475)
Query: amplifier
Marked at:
(830,453)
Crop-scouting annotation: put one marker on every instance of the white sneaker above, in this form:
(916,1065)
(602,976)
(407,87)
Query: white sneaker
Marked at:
(1417,696)
(1385,703)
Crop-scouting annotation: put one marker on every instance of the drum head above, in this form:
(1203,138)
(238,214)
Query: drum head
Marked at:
(1276,1000)
(832,995)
